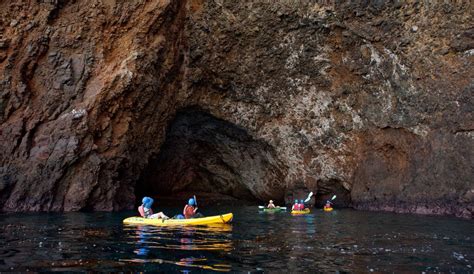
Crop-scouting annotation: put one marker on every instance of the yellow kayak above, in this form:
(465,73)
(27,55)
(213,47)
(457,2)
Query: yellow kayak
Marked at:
(219,219)
(327,209)
(299,212)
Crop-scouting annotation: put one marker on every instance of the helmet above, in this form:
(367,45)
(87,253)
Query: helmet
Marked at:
(191,202)
(147,202)
(296,201)
(301,201)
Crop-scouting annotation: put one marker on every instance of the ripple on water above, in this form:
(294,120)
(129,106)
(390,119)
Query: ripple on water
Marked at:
(343,240)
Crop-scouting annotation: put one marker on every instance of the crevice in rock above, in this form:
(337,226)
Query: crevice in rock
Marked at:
(213,158)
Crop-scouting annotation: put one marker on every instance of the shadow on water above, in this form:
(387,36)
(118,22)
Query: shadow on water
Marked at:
(342,240)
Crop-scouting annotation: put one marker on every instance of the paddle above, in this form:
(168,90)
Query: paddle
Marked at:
(309,197)
(195,201)
(280,207)
(333,198)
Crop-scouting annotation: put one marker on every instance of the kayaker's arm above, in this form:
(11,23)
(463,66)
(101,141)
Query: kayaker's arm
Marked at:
(141,211)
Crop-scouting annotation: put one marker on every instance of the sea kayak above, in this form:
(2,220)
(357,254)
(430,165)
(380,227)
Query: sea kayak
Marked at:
(276,209)
(299,212)
(219,219)
(327,209)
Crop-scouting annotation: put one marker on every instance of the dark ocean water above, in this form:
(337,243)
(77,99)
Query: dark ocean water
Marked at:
(342,240)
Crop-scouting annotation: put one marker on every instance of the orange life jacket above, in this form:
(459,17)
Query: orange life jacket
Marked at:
(188,211)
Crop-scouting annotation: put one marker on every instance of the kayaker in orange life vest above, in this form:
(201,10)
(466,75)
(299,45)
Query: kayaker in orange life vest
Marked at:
(190,211)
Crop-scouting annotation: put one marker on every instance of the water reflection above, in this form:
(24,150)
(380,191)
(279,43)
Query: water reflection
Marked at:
(342,240)
(142,245)
(149,240)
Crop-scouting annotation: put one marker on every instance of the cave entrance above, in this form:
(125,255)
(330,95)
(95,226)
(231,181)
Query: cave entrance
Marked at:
(214,159)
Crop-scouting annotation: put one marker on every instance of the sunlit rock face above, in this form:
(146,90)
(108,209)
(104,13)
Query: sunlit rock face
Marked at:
(371,102)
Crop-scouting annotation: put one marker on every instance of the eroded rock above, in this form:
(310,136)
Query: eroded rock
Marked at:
(369,101)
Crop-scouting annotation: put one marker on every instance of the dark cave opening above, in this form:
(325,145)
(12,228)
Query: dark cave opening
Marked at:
(330,187)
(214,159)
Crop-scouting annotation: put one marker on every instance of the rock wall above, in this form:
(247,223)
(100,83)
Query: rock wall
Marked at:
(372,102)
(82,83)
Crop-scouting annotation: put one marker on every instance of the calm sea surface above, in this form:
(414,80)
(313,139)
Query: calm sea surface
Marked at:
(342,240)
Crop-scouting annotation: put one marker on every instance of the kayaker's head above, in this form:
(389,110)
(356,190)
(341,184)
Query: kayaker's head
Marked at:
(328,202)
(301,202)
(270,202)
(296,201)
(147,202)
(191,202)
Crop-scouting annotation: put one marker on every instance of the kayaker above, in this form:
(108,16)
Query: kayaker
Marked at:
(190,211)
(146,211)
(270,204)
(301,205)
(295,206)
(328,204)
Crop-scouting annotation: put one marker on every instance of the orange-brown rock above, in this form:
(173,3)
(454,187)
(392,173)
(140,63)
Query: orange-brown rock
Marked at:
(102,102)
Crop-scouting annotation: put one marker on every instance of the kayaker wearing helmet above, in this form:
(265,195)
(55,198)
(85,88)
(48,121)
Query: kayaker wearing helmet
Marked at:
(270,204)
(146,211)
(301,205)
(189,210)
(328,204)
(295,206)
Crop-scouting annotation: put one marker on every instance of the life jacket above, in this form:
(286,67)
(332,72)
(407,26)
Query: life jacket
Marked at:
(298,207)
(141,211)
(145,212)
(188,211)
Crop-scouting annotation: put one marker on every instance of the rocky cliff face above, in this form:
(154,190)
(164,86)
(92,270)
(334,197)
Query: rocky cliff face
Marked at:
(102,101)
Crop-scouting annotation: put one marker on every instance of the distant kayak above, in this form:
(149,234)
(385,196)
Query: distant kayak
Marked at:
(276,209)
(327,209)
(299,212)
(218,219)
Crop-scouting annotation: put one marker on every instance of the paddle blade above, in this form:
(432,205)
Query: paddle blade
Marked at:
(309,197)
(333,197)
(195,200)
(261,206)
